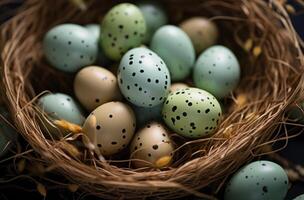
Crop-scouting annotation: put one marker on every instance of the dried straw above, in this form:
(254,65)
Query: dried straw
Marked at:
(272,66)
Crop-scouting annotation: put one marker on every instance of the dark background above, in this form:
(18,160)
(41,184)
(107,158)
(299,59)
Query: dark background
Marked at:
(27,187)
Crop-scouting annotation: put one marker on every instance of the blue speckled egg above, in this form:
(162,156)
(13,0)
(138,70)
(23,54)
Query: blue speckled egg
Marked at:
(217,70)
(61,106)
(301,197)
(259,180)
(143,77)
(69,47)
(174,46)
(145,115)
(8,135)
(155,16)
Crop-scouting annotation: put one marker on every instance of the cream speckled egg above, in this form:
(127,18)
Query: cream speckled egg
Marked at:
(202,32)
(94,86)
(177,86)
(152,147)
(112,128)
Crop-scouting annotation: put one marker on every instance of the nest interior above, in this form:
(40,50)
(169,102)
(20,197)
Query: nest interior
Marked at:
(260,34)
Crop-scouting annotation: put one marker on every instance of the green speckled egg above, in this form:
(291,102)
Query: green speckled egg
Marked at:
(174,46)
(155,17)
(143,77)
(259,180)
(217,70)
(122,28)
(69,47)
(8,135)
(61,106)
(145,115)
(301,197)
(192,112)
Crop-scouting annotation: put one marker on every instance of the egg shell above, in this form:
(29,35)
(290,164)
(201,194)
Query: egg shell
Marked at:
(102,59)
(122,28)
(174,46)
(177,86)
(152,147)
(62,107)
(259,180)
(301,197)
(69,47)
(143,77)
(114,128)
(145,115)
(155,17)
(94,86)
(217,70)
(192,112)
(8,135)
(202,32)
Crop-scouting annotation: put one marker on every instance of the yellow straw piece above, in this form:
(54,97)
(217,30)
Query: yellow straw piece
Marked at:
(163,161)
(41,189)
(74,128)
(73,187)
(257,51)
(248,44)
(290,9)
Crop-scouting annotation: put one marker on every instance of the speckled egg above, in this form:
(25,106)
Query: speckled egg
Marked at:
(112,128)
(174,46)
(122,28)
(177,86)
(102,59)
(301,197)
(202,32)
(62,107)
(217,70)
(152,147)
(259,180)
(155,16)
(8,135)
(94,86)
(145,115)
(192,112)
(143,77)
(69,47)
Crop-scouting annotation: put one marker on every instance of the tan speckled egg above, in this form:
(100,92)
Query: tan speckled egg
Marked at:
(177,86)
(112,129)
(94,86)
(202,32)
(152,147)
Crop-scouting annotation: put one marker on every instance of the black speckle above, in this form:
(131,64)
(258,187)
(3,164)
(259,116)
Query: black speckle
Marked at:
(120,26)
(123,130)
(133,74)
(178,117)
(198,111)
(153,98)
(189,104)
(246,177)
(285,182)
(184,114)
(265,189)
(69,42)
(135,33)
(155,146)
(149,155)
(149,80)
(173,120)
(124,137)
(131,62)
(98,127)
(156,81)
(141,71)
(127,36)
(110,116)
(99,145)
(97,100)
(128,87)
(109,35)
(174,108)
(207,110)
(263,164)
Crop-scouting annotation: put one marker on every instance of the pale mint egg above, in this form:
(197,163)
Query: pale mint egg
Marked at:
(145,115)
(69,47)
(143,77)
(217,70)
(296,113)
(8,135)
(102,59)
(62,107)
(192,112)
(301,197)
(259,180)
(174,46)
(155,17)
